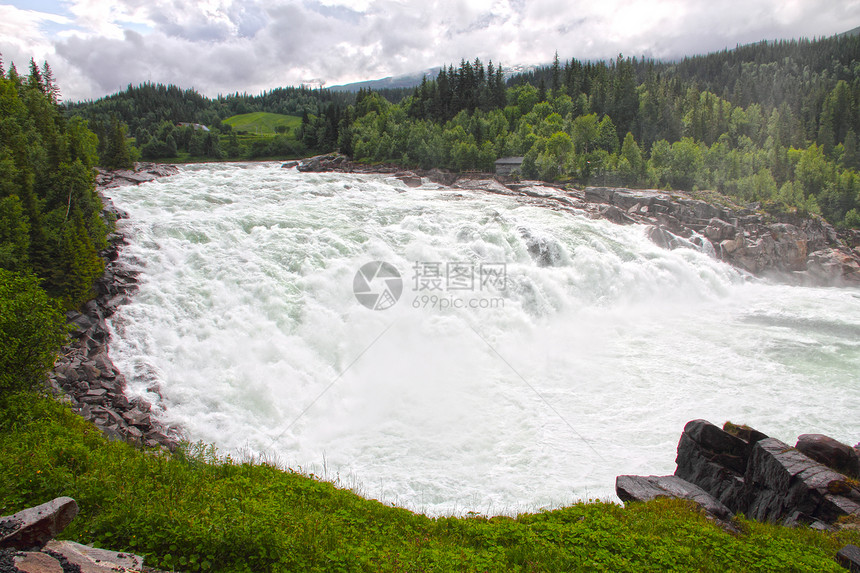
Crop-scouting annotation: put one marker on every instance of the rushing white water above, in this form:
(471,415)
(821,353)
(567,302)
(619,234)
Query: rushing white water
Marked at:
(586,366)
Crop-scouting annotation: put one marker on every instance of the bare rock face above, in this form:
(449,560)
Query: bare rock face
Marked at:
(782,480)
(32,528)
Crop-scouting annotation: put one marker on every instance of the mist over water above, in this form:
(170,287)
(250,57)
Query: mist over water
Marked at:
(586,366)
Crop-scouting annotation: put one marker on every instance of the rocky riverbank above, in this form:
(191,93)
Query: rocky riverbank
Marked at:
(788,247)
(84,374)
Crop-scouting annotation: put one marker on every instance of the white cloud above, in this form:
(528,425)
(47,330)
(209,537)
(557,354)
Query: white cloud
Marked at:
(22,35)
(220,46)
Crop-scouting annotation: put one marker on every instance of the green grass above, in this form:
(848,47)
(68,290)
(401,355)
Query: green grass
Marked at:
(263,123)
(194,512)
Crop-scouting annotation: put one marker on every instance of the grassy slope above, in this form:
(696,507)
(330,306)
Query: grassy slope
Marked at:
(262,122)
(188,512)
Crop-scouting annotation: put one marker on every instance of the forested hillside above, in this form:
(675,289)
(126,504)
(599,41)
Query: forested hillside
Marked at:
(152,113)
(774,123)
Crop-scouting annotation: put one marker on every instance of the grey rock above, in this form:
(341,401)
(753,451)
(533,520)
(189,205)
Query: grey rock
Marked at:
(33,562)
(782,479)
(646,488)
(92,560)
(719,230)
(32,528)
(849,557)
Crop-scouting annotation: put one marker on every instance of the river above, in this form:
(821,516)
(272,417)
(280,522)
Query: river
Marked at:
(500,357)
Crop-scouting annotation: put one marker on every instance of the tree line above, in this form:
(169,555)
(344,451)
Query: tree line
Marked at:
(773,122)
(645,124)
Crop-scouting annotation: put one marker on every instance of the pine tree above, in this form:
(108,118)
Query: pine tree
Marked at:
(556,76)
(35,80)
(52,90)
(117,154)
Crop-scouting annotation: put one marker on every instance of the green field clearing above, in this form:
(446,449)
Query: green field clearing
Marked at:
(263,123)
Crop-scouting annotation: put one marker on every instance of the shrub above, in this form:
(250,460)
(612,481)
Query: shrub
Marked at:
(32,328)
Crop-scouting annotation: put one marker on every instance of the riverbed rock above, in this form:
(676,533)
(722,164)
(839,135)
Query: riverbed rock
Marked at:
(32,528)
(832,453)
(409,178)
(319,163)
(33,562)
(84,372)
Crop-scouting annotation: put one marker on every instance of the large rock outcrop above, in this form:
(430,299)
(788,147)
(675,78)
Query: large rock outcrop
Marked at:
(761,477)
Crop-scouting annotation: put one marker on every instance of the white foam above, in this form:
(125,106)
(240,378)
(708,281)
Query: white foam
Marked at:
(246,316)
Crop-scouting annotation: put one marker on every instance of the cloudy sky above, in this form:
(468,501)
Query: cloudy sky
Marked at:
(97,47)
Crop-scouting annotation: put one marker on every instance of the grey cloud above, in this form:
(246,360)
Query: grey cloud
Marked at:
(253,45)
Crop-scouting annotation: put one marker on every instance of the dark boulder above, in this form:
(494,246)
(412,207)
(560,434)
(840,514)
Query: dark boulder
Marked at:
(781,480)
(713,460)
(831,453)
(409,178)
(849,557)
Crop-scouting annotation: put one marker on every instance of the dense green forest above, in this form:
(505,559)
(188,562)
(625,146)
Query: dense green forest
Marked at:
(774,123)
(50,215)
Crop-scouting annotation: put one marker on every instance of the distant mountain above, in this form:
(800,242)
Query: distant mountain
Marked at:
(854,32)
(414,79)
(405,81)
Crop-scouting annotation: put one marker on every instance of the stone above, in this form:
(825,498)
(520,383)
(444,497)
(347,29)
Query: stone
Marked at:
(290,165)
(31,562)
(34,527)
(93,560)
(318,163)
(849,557)
(646,488)
(719,230)
(790,247)
(616,215)
(702,468)
(833,454)
(103,362)
(137,418)
(79,323)
(91,372)
(782,479)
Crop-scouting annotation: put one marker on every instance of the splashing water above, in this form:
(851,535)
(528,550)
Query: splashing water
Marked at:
(586,365)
